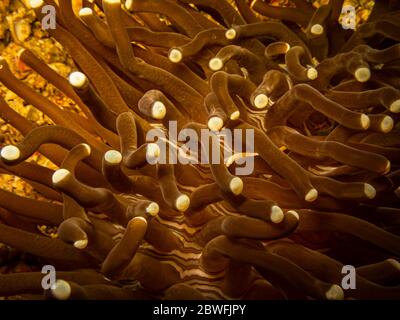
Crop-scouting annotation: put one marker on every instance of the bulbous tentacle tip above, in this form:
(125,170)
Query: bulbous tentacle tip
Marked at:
(294,214)
(153,209)
(395,106)
(236,186)
(216,64)
(386,124)
(335,293)
(113,157)
(276,214)
(230,34)
(128,4)
(311,195)
(261,101)
(312,73)
(395,263)
(59,175)
(86,11)
(182,203)
(362,74)
(88,149)
(81,244)
(20,52)
(365,121)
(158,110)
(317,29)
(235,115)
(215,123)
(388,167)
(152,151)
(10,153)
(78,79)
(369,191)
(61,290)
(175,55)
(136,219)
(36,3)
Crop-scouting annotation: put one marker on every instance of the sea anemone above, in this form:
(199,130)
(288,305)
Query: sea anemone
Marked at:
(321,99)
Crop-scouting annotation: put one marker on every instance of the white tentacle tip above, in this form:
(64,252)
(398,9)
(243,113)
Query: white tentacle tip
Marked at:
(369,191)
(294,214)
(128,4)
(365,121)
(153,209)
(388,167)
(175,55)
(216,64)
(395,263)
(59,175)
(158,110)
(182,203)
(62,290)
(386,124)
(311,195)
(317,29)
(236,186)
(230,34)
(312,73)
(36,3)
(86,11)
(20,52)
(335,293)
(235,115)
(10,153)
(152,151)
(81,244)
(261,101)
(142,219)
(88,149)
(78,79)
(276,214)
(215,123)
(362,74)
(113,157)
(395,106)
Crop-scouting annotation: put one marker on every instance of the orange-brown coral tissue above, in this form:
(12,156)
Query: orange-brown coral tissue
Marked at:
(208,150)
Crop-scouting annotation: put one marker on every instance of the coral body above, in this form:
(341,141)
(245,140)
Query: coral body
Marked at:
(322,101)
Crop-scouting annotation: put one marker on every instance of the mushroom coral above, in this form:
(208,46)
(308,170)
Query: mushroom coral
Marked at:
(322,101)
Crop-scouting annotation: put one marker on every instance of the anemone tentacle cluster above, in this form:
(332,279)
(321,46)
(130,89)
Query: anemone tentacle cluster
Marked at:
(322,100)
